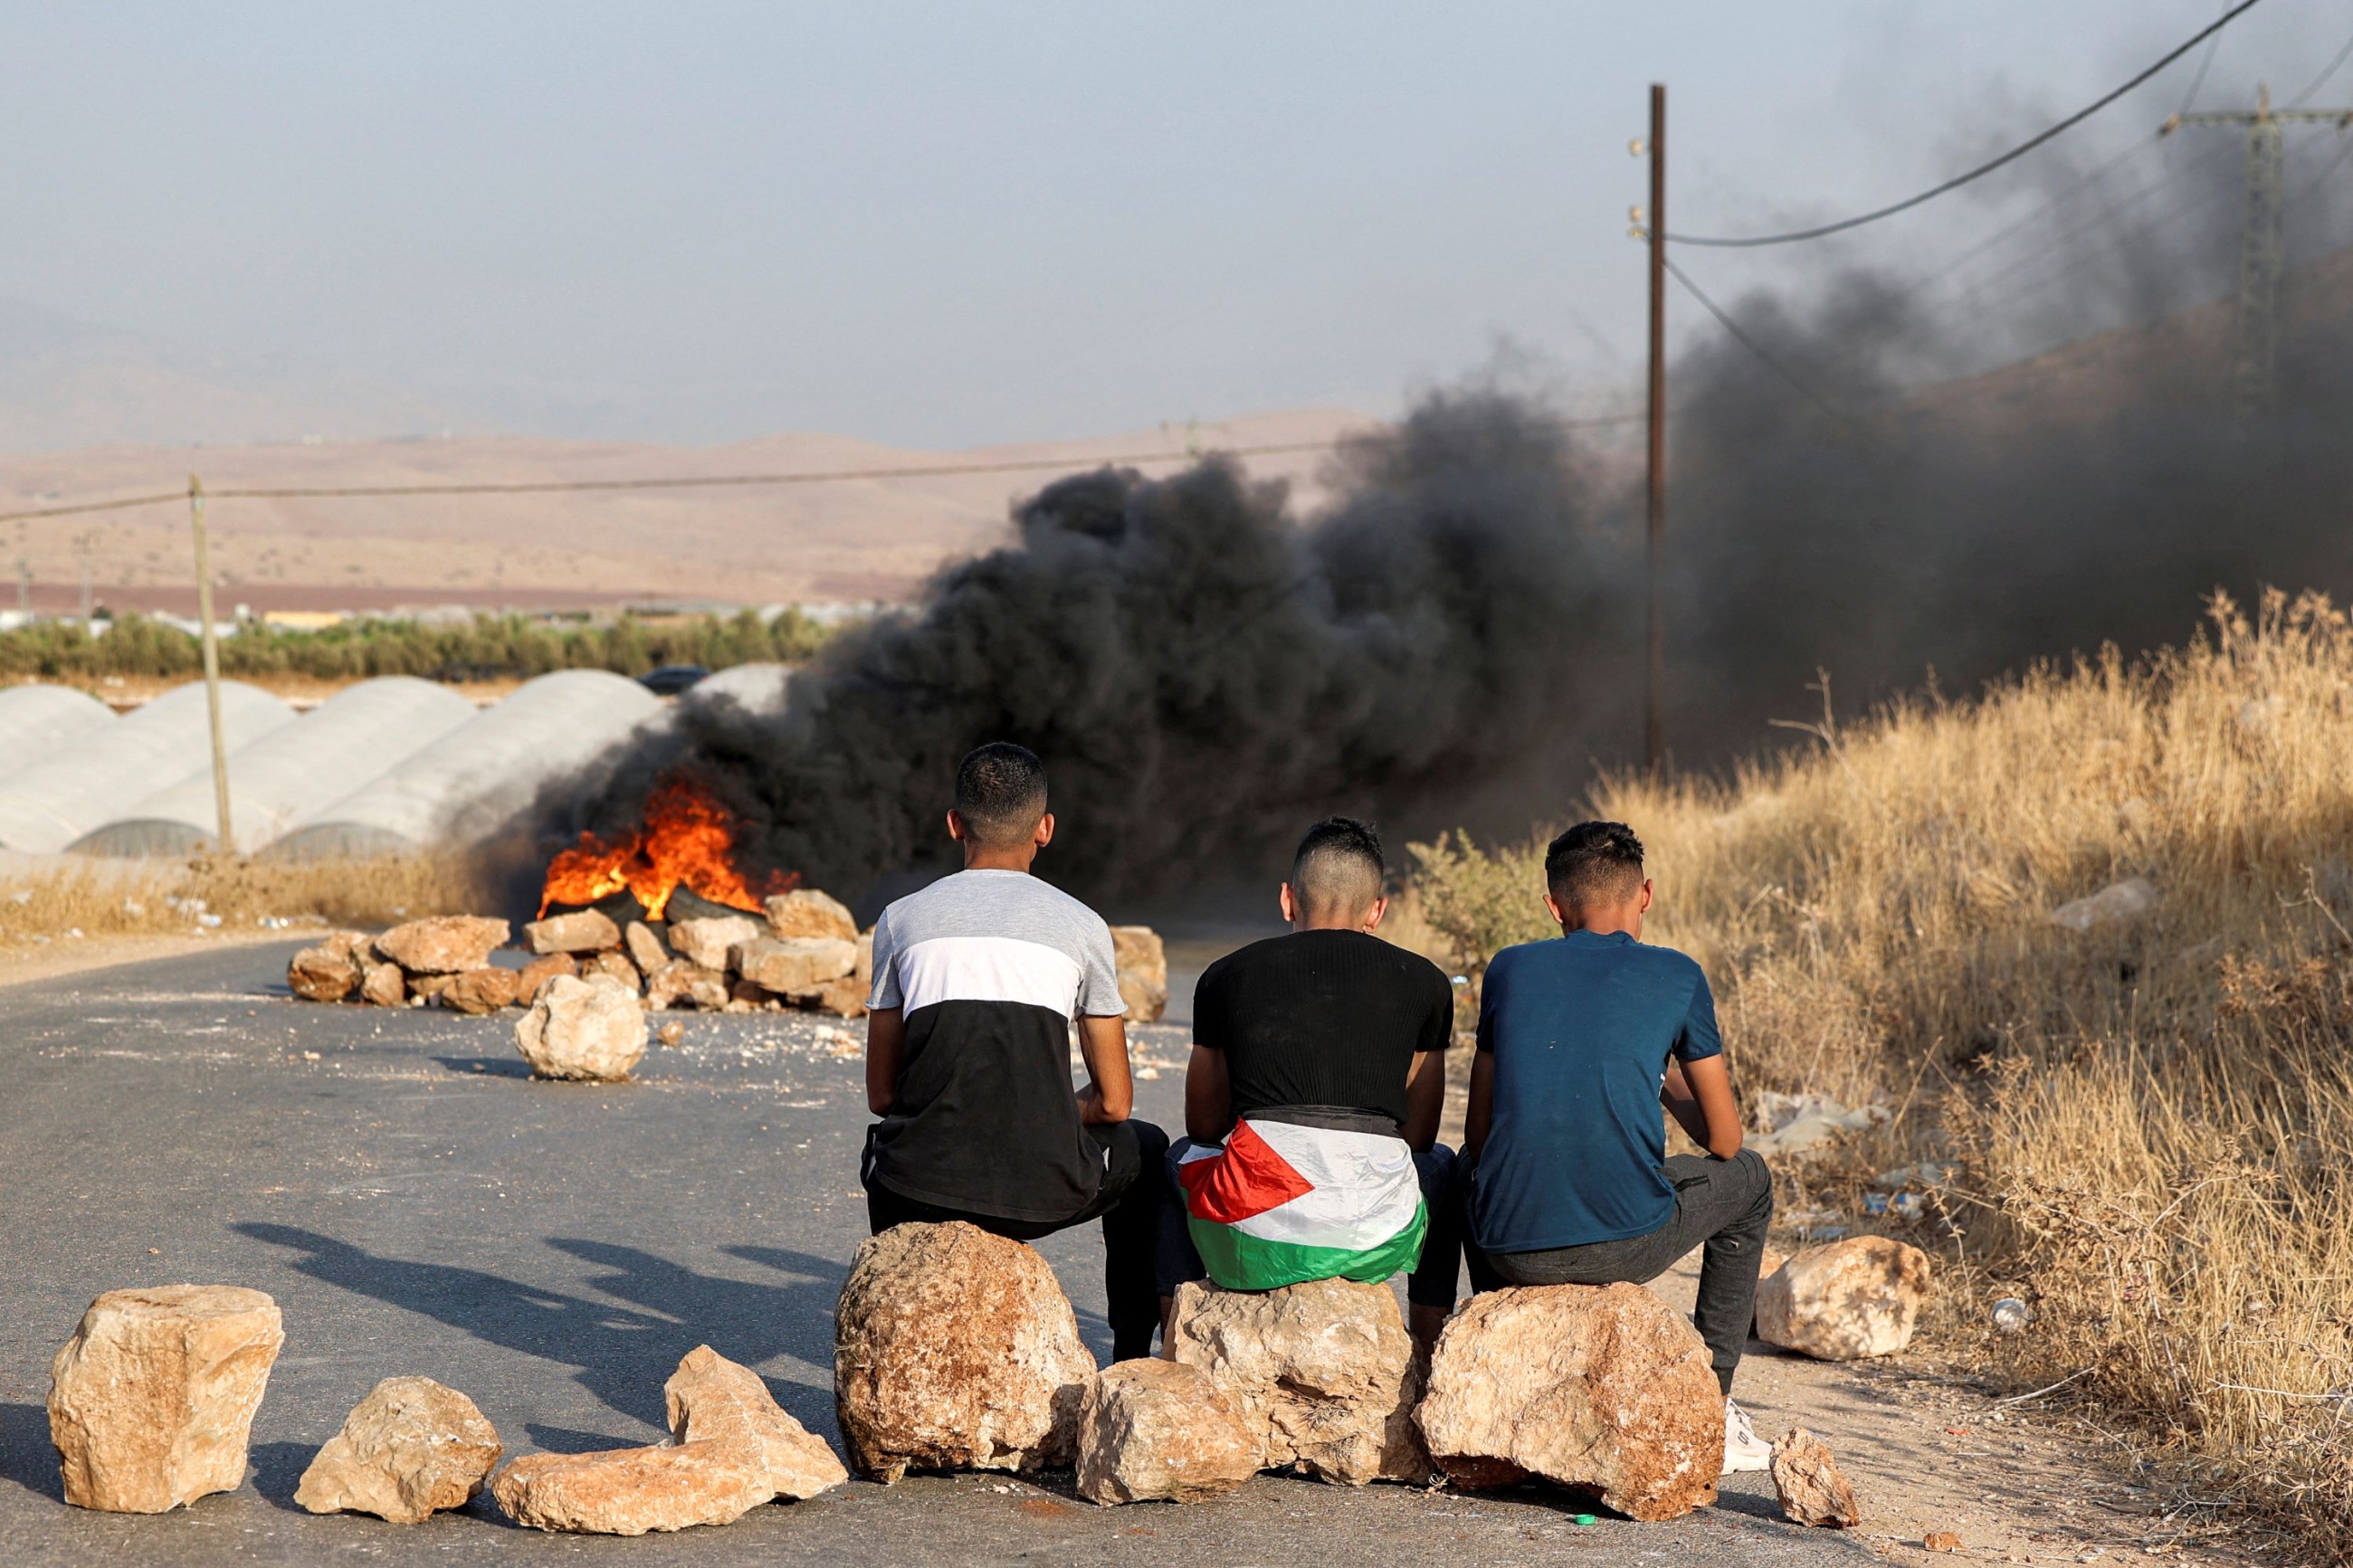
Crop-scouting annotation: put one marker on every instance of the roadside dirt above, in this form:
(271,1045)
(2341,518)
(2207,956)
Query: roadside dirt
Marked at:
(22,961)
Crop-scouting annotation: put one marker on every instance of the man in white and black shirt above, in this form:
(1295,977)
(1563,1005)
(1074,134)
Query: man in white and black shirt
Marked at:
(977,980)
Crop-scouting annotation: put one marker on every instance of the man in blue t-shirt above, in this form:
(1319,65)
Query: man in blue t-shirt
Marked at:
(1581,1039)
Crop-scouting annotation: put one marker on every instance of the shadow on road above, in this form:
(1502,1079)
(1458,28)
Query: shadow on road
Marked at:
(623,1354)
(25,1455)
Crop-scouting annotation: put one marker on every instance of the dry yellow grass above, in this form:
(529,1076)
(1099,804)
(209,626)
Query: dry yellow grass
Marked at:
(133,898)
(2153,1118)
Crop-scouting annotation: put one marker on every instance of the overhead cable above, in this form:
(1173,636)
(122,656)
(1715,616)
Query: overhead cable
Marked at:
(1724,319)
(1956,182)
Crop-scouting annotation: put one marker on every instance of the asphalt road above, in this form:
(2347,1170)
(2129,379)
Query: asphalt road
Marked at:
(418,1205)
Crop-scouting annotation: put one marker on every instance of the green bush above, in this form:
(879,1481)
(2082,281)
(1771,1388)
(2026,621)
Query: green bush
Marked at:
(1481,901)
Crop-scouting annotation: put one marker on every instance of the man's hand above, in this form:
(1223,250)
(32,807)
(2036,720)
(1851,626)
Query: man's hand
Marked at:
(1110,1095)
(1425,1098)
(886,1048)
(1698,1095)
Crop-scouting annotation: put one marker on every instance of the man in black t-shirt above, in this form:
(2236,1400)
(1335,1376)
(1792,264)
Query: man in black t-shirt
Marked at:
(1313,1098)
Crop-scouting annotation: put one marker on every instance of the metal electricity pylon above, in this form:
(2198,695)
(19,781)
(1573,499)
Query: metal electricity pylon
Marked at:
(2253,384)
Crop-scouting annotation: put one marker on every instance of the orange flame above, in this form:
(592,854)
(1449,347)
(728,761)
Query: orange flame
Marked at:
(688,840)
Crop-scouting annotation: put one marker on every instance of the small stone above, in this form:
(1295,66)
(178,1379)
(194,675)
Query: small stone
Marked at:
(805,911)
(1143,963)
(1152,1430)
(539,972)
(1806,1480)
(628,1491)
(681,984)
(479,990)
(647,948)
(672,1032)
(411,1448)
(706,941)
(591,1029)
(1942,1540)
(443,944)
(788,965)
(151,1401)
(709,1396)
(584,930)
(1605,1388)
(384,986)
(1844,1301)
(956,1348)
(1322,1373)
(330,971)
(614,967)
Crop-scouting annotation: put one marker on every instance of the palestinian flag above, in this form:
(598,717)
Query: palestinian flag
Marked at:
(1280,1205)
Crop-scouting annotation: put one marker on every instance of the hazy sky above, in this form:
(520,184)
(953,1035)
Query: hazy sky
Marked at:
(944,225)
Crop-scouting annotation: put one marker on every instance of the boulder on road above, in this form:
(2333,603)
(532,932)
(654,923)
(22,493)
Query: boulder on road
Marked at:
(791,965)
(1321,1374)
(646,948)
(706,941)
(151,1401)
(1604,1388)
(1844,1301)
(1159,1430)
(591,1029)
(1143,963)
(330,971)
(845,997)
(805,911)
(954,1349)
(539,972)
(628,1491)
(479,990)
(583,931)
(614,966)
(1806,1481)
(443,944)
(709,1396)
(383,984)
(411,1448)
(679,984)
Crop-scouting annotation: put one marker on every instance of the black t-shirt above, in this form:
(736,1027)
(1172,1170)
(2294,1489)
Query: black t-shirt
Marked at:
(1322,1019)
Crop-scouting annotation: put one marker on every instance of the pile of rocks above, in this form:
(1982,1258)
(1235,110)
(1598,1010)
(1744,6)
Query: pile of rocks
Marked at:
(152,1405)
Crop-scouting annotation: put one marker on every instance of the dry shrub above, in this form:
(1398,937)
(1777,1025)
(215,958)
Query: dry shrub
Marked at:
(122,897)
(2154,1116)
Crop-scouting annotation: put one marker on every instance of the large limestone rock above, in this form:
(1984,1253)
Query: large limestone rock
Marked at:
(383,984)
(479,990)
(678,984)
(628,1491)
(794,965)
(709,1396)
(1321,1374)
(1806,1482)
(1143,972)
(330,971)
(706,941)
(1604,1388)
(805,911)
(614,966)
(409,1449)
(591,1029)
(1845,1300)
(1153,1430)
(583,931)
(151,1401)
(539,972)
(443,944)
(646,950)
(954,1349)
(730,1449)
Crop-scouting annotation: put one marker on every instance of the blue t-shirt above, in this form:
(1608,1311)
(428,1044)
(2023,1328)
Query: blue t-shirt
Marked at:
(1581,1028)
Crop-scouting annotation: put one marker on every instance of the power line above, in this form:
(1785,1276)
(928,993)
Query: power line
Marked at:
(2321,80)
(2189,99)
(1984,168)
(1724,319)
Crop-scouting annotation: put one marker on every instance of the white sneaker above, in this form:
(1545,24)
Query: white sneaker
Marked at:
(1743,1448)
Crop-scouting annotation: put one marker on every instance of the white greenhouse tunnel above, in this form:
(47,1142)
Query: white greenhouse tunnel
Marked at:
(36,722)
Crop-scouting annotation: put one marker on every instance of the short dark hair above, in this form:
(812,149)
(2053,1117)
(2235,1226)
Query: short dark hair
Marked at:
(1000,793)
(1338,869)
(1594,863)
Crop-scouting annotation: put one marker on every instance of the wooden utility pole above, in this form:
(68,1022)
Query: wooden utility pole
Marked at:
(211,641)
(1654,726)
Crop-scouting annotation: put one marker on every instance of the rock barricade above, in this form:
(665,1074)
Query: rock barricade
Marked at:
(793,966)
(646,948)
(805,911)
(708,941)
(1844,1301)
(1322,1375)
(409,1449)
(583,931)
(680,983)
(1143,965)
(1160,1431)
(1806,1482)
(539,972)
(331,969)
(1603,1388)
(480,990)
(954,1349)
(151,1401)
(444,944)
(587,1030)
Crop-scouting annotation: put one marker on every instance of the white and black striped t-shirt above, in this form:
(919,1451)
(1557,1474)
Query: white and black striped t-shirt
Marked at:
(989,968)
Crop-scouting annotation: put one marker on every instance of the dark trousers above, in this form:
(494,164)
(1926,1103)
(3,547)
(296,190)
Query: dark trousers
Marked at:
(1432,1283)
(1128,1204)
(1723,1205)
